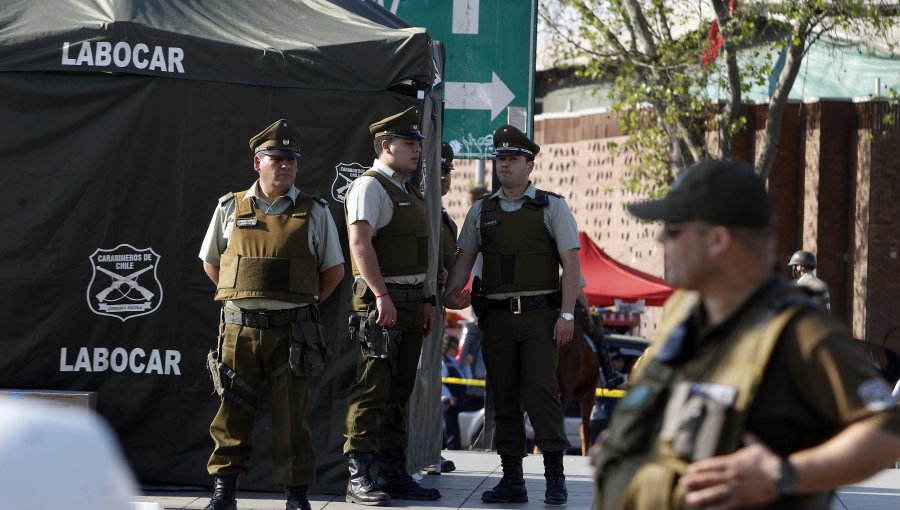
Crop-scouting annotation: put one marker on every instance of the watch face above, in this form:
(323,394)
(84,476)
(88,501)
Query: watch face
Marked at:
(567,316)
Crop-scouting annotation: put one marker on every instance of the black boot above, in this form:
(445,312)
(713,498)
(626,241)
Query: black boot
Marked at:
(361,489)
(556,493)
(393,478)
(296,498)
(224,492)
(511,488)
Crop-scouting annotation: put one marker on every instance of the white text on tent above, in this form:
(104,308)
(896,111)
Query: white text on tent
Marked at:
(104,54)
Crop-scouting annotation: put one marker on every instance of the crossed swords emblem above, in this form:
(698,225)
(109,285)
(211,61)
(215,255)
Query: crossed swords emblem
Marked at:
(347,183)
(119,281)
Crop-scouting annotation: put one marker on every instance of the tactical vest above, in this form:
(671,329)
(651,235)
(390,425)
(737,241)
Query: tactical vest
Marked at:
(518,254)
(449,232)
(402,244)
(638,469)
(268,254)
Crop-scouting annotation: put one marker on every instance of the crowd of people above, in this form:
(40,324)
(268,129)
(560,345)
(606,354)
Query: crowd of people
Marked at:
(719,413)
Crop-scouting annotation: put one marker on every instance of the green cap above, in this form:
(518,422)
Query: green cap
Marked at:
(509,141)
(719,192)
(446,156)
(279,139)
(404,125)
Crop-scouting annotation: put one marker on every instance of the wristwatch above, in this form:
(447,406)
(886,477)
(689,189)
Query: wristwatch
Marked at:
(786,478)
(566,316)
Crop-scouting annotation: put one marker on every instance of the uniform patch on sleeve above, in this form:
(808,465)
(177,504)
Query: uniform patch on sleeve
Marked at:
(876,395)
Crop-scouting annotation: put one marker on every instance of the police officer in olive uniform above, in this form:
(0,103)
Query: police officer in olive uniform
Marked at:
(449,230)
(802,265)
(751,395)
(524,235)
(273,253)
(392,310)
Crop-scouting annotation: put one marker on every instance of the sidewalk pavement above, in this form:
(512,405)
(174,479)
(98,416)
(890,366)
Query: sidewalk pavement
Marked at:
(478,471)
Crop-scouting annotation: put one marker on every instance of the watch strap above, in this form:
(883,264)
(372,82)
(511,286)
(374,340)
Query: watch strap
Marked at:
(786,479)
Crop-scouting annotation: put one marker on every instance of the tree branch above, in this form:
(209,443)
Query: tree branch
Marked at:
(771,140)
(642,30)
(730,109)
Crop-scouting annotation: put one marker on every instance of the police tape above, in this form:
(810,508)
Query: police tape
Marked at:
(601,392)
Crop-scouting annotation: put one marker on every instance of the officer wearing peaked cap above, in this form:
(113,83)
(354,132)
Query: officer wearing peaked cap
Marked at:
(449,230)
(280,140)
(273,253)
(525,236)
(509,141)
(402,125)
(386,228)
(751,395)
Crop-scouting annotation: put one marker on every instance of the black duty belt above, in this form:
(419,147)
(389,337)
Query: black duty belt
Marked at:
(519,304)
(265,319)
(405,293)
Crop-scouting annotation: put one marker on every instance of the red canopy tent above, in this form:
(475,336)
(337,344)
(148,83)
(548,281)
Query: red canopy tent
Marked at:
(608,279)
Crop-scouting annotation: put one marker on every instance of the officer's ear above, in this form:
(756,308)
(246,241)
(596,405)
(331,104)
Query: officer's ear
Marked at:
(386,144)
(256,163)
(719,240)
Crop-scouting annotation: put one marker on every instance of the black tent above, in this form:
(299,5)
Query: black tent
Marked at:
(121,123)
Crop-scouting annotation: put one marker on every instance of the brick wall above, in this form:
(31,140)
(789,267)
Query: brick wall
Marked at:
(882,324)
(834,185)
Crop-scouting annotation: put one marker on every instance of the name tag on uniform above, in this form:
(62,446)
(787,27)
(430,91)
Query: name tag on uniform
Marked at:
(245,222)
(490,223)
(404,204)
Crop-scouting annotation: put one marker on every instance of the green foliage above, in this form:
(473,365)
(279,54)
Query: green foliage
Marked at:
(652,54)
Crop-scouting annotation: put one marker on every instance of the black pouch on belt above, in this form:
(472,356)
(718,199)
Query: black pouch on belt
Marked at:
(479,300)
(308,350)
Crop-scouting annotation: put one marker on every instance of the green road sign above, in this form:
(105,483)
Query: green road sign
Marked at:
(489,65)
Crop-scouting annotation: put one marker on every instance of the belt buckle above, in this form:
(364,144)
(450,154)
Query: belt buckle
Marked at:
(257,320)
(515,305)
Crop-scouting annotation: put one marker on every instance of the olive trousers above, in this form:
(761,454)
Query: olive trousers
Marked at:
(376,418)
(258,355)
(521,357)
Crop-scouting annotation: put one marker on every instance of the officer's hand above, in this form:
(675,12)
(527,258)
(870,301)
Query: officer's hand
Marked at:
(562,331)
(387,312)
(458,299)
(428,319)
(743,478)
(442,277)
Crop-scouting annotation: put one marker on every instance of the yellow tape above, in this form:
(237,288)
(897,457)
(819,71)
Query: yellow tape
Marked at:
(467,382)
(601,392)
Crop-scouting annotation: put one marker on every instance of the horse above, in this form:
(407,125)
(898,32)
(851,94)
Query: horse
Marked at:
(577,374)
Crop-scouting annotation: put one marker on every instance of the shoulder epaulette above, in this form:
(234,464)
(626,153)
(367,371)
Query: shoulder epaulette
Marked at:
(552,194)
(225,198)
(314,198)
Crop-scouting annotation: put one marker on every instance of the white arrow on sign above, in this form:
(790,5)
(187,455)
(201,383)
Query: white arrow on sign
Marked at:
(493,96)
